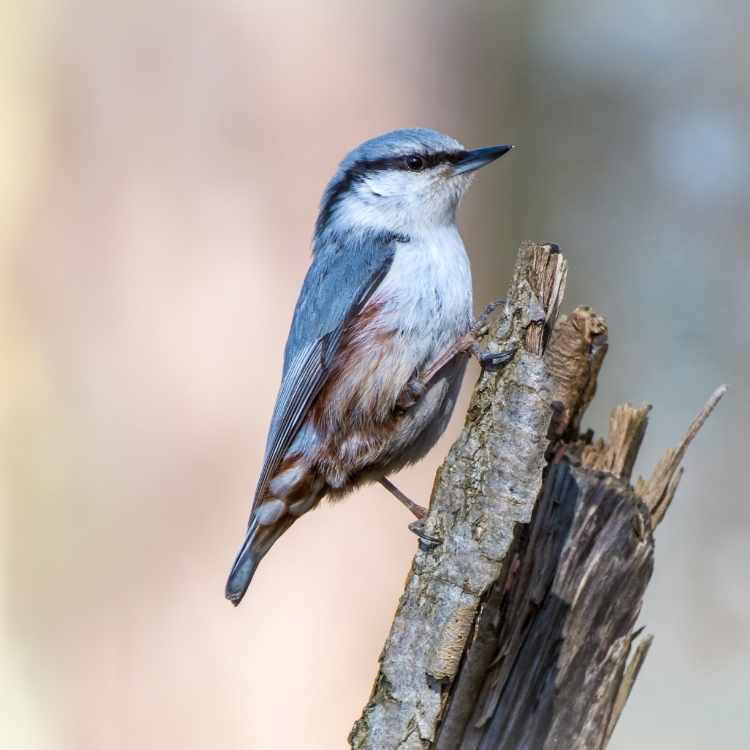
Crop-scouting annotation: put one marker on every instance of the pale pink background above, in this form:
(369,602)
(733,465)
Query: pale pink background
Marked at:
(162,164)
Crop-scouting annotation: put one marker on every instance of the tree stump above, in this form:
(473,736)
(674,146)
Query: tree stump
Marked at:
(516,631)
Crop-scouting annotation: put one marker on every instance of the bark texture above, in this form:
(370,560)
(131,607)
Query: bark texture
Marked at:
(516,631)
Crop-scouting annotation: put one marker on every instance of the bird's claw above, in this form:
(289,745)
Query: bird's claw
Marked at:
(426,541)
(493,361)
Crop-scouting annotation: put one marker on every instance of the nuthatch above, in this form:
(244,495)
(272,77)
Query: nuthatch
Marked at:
(380,335)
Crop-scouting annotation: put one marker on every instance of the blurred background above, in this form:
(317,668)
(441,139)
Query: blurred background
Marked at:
(161,168)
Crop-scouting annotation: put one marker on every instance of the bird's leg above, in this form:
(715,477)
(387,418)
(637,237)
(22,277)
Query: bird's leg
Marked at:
(419,511)
(417,527)
(460,345)
(468,343)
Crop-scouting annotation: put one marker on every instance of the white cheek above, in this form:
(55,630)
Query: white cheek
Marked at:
(393,183)
(399,200)
(365,210)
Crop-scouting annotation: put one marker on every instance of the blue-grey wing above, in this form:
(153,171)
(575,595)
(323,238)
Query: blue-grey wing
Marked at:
(342,277)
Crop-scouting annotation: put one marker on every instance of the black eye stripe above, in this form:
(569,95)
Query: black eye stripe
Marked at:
(429,160)
(434,159)
(359,169)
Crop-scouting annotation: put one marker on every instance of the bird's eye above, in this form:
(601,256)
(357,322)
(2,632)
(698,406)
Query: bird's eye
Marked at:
(415,163)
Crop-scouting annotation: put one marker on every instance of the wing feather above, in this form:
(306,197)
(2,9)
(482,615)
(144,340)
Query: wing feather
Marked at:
(338,285)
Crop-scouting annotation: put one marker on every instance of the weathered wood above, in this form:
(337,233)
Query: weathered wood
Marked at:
(516,631)
(657,491)
(486,487)
(629,677)
(616,455)
(575,356)
(547,666)
(562,637)
(573,359)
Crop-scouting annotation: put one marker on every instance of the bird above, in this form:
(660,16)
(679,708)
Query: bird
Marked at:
(380,336)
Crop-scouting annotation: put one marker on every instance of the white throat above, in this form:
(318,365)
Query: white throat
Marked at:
(428,289)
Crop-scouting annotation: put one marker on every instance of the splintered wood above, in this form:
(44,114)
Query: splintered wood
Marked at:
(627,427)
(574,358)
(658,490)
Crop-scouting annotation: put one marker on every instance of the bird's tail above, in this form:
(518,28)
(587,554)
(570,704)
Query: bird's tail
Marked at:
(258,540)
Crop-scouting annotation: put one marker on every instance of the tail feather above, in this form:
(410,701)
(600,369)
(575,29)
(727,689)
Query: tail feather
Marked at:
(258,540)
(243,567)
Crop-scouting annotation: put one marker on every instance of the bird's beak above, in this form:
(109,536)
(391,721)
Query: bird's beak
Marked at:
(478,158)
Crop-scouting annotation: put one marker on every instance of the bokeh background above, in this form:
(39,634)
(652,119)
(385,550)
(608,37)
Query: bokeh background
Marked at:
(161,168)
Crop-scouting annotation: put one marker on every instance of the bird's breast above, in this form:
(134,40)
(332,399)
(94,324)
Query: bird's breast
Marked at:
(426,297)
(420,308)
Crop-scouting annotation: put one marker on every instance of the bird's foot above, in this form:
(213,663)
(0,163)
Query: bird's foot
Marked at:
(469,342)
(426,541)
(481,323)
(493,361)
(412,392)
(415,389)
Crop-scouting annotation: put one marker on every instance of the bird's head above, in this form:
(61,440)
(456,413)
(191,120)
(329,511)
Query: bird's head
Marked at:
(401,181)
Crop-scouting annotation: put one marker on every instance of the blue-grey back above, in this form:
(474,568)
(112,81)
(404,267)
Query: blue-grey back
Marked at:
(340,269)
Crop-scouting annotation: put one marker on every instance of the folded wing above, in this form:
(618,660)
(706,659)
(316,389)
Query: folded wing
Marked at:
(340,281)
